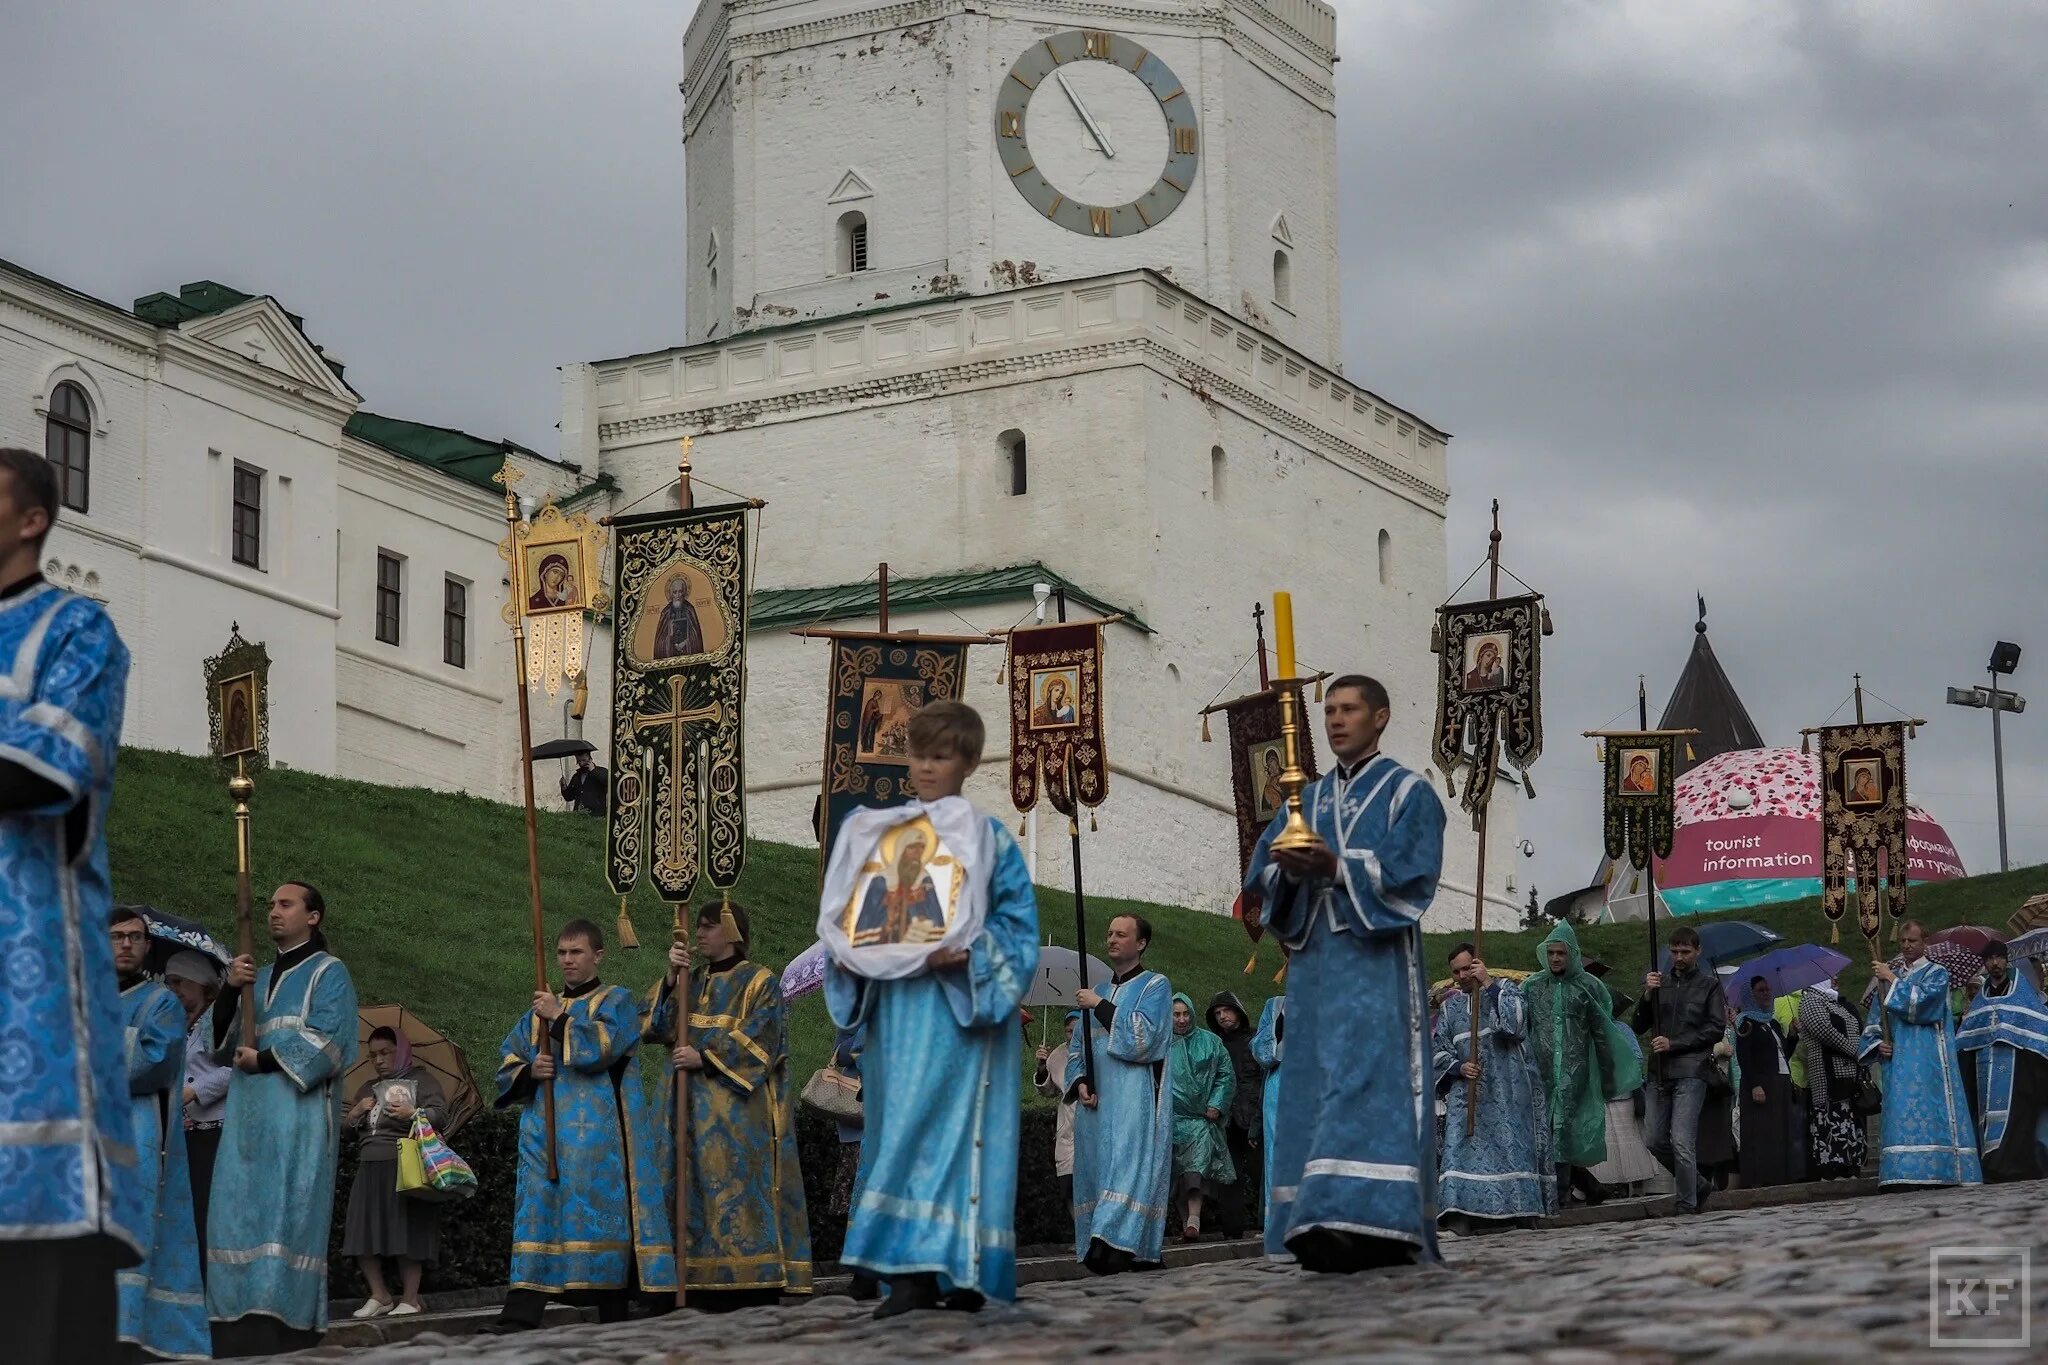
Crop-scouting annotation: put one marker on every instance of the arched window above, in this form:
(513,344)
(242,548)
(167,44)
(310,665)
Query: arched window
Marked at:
(711,266)
(1216,461)
(1011,444)
(1386,555)
(853,242)
(67,441)
(1283,280)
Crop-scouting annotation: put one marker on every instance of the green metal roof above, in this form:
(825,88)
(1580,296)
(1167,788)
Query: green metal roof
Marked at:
(202,298)
(856,601)
(458,454)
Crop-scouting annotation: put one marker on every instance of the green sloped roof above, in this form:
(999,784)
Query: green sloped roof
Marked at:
(202,298)
(856,601)
(458,454)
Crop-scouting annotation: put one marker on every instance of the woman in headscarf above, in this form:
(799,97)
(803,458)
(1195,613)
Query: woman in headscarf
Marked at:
(1245,1124)
(382,1222)
(1203,1083)
(1829,1026)
(1771,1140)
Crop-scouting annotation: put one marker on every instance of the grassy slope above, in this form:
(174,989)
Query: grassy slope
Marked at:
(429,902)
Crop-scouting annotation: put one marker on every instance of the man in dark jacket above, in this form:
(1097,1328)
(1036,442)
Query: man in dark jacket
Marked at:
(1683,1016)
(584,789)
(1245,1125)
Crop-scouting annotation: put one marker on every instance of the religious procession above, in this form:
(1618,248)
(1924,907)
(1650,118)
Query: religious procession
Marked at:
(181,1120)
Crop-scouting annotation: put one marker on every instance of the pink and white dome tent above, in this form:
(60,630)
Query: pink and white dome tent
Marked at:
(1748,833)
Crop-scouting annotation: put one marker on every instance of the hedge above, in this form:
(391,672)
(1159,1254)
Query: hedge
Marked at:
(476,1234)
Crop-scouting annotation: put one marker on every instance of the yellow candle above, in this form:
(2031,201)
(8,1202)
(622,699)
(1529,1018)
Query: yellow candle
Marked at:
(1283,631)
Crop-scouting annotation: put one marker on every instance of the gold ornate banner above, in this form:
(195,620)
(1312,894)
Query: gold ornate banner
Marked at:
(238,705)
(1489,680)
(1863,814)
(679,678)
(1641,770)
(1056,709)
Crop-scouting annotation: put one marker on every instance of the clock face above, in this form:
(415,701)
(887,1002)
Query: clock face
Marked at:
(1097,133)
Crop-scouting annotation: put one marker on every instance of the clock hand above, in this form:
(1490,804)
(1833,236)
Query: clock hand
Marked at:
(1094,128)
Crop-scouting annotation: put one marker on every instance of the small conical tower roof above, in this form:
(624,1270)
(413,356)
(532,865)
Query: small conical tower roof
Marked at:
(1704,700)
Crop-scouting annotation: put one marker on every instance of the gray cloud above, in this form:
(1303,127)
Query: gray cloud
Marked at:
(1751,299)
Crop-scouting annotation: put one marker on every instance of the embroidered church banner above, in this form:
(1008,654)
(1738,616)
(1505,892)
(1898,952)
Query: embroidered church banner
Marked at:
(1641,773)
(1863,814)
(1055,676)
(1489,679)
(678,793)
(1257,757)
(877,683)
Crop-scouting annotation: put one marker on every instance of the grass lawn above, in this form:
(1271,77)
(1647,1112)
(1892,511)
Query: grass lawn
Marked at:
(428,903)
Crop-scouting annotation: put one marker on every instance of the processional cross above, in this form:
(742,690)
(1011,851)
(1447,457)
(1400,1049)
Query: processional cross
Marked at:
(675,720)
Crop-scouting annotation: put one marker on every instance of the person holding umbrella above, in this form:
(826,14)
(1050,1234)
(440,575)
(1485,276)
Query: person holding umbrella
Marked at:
(1837,1140)
(1771,1145)
(584,789)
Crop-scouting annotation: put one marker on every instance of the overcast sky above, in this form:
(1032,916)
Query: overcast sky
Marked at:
(1749,299)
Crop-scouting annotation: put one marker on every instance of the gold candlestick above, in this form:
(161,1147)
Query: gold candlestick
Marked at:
(1296,834)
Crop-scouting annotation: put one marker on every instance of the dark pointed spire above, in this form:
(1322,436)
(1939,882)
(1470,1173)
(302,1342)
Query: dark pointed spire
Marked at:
(1705,700)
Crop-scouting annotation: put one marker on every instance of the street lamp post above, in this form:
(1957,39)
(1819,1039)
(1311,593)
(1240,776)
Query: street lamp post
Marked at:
(2005,660)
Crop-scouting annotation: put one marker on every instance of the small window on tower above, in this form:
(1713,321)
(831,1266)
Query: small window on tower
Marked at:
(1216,472)
(1283,280)
(1012,445)
(853,243)
(1386,555)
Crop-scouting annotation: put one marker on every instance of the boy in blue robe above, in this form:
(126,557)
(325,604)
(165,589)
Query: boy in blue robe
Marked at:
(74,1197)
(273,1182)
(1500,1172)
(603,1226)
(1123,1131)
(163,1304)
(1925,1125)
(2003,1045)
(1354,1161)
(934,1204)
(1267,1046)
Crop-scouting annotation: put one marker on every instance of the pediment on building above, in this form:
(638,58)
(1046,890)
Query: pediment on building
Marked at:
(1282,233)
(851,186)
(259,330)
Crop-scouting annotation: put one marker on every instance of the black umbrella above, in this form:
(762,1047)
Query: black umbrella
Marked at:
(170,934)
(563,748)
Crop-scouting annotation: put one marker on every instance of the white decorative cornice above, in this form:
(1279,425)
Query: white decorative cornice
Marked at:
(68,312)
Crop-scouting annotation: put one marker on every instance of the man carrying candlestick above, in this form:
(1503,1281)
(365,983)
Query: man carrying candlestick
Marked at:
(1354,1157)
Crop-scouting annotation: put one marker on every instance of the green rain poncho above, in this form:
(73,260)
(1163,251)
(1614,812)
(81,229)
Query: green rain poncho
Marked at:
(1584,1061)
(1203,1079)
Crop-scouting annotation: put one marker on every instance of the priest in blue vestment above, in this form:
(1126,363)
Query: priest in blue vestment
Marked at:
(1267,1045)
(1354,1161)
(1496,1165)
(273,1182)
(1123,1130)
(2002,1043)
(71,1186)
(749,1235)
(602,1227)
(163,1303)
(933,1211)
(1925,1125)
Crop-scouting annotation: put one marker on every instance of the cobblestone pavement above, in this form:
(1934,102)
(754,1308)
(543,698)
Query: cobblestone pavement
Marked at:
(1807,1282)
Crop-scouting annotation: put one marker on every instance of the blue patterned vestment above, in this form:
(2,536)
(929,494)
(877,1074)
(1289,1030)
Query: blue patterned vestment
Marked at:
(273,1182)
(163,1302)
(941,1087)
(1267,1047)
(1504,1168)
(748,1226)
(70,1168)
(1996,1032)
(1925,1125)
(1356,1146)
(605,1218)
(1123,1148)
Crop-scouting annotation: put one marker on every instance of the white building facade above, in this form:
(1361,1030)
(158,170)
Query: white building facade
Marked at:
(217,473)
(1004,291)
